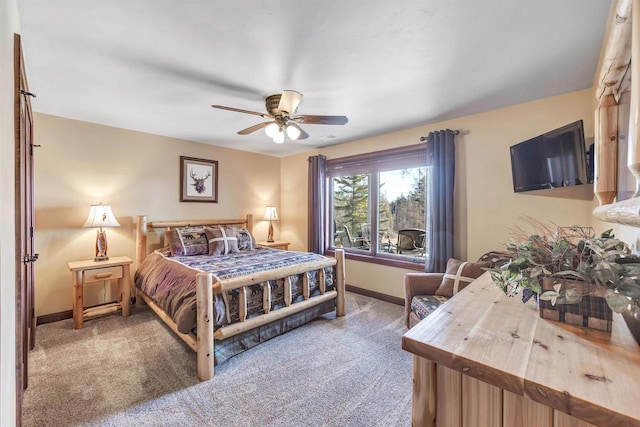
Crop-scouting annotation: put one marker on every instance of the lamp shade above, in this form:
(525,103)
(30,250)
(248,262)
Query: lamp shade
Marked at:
(293,132)
(271,129)
(101,216)
(270,213)
(278,138)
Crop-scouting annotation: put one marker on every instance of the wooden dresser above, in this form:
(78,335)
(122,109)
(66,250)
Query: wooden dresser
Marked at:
(483,359)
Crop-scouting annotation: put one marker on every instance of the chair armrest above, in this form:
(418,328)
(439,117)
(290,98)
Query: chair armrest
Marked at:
(419,284)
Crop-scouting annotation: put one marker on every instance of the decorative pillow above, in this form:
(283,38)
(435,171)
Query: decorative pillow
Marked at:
(246,241)
(424,305)
(187,241)
(458,275)
(222,240)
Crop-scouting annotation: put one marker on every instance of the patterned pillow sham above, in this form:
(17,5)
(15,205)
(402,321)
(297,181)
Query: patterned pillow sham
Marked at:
(187,241)
(222,240)
(246,241)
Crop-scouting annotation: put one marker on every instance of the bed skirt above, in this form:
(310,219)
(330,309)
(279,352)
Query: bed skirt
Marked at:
(229,347)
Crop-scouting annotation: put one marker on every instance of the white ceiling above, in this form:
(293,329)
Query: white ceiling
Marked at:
(157,65)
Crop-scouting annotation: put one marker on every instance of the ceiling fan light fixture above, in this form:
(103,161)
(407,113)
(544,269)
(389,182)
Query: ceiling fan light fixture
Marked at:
(272,129)
(292,132)
(281,118)
(278,138)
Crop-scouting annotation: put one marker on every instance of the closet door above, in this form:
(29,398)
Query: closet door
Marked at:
(24,217)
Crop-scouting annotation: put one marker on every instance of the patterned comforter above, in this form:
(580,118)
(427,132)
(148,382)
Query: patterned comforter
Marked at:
(171,282)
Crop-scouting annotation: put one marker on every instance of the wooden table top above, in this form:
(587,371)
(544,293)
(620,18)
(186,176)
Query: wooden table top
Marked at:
(586,373)
(88,264)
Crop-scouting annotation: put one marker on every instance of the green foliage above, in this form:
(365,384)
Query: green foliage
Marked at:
(384,215)
(351,201)
(602,261)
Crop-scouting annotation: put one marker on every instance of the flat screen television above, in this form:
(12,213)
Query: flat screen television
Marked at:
(554,159)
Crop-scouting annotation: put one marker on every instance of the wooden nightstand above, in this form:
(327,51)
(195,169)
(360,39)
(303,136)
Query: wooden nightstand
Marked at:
(276,245)
(90,271)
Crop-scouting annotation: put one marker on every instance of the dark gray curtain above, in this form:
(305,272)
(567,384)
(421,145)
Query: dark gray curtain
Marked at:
(316,217)
(439,200)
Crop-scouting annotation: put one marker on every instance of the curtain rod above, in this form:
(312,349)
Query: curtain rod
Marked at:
(455,132)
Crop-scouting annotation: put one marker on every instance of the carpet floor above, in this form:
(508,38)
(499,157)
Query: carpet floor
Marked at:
(134,371)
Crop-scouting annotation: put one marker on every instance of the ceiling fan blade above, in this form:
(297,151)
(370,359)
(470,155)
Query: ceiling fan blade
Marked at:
(253,128)
(322,120)
(303,134)
(289,101)
(238,110)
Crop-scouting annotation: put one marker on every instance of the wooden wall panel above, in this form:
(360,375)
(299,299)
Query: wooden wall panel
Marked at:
(449,408)
(523,412)
(563,420)
(481,403)
(423,412)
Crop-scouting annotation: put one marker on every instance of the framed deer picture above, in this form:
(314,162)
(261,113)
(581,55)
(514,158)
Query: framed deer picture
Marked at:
(198,180)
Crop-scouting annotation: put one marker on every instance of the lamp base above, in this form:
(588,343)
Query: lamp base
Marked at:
(270,235)
(101,246)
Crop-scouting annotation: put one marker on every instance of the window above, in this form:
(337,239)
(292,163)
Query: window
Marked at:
(377,206)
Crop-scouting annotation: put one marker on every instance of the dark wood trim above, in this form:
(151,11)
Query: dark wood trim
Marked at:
(21,333)
(379,154)
(68,314)
(380,260)
(374,294)
(370,162)
(64,315)
(55,317)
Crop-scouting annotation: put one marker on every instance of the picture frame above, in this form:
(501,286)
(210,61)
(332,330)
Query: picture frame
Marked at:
(198,180)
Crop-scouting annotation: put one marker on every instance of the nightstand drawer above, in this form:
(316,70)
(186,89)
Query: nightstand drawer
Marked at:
(100,274)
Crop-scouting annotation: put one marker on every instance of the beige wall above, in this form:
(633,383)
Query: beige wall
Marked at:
(484,197)
(294,200)
(82,163)
(8,26)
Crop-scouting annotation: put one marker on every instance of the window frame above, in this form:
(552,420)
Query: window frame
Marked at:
(371,164)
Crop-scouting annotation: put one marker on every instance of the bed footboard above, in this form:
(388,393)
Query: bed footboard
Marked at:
(205,340)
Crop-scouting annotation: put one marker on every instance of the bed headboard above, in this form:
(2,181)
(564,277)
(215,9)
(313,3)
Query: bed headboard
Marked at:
(143,225)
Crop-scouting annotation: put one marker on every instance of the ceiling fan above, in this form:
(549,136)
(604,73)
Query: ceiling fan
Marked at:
(281,108)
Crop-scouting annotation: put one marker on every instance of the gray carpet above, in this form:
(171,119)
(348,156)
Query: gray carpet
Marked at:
(133,371)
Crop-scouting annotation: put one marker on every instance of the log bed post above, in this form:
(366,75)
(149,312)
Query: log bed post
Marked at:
(204,343)
(141,239)
(340,288)
(249,225)
(606,149)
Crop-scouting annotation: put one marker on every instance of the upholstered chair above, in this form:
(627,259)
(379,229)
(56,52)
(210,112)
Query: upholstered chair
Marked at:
(425,292)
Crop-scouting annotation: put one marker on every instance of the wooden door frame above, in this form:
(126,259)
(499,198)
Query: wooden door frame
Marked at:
(23,187)
(20,369)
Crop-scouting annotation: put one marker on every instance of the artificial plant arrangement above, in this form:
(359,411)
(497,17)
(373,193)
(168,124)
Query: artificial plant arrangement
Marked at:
(603,262)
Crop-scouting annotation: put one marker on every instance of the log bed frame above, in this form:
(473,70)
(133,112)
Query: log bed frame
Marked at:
(207,285)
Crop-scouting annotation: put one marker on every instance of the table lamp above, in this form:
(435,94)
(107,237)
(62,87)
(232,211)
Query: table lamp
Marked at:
(270,214)
(101,216)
